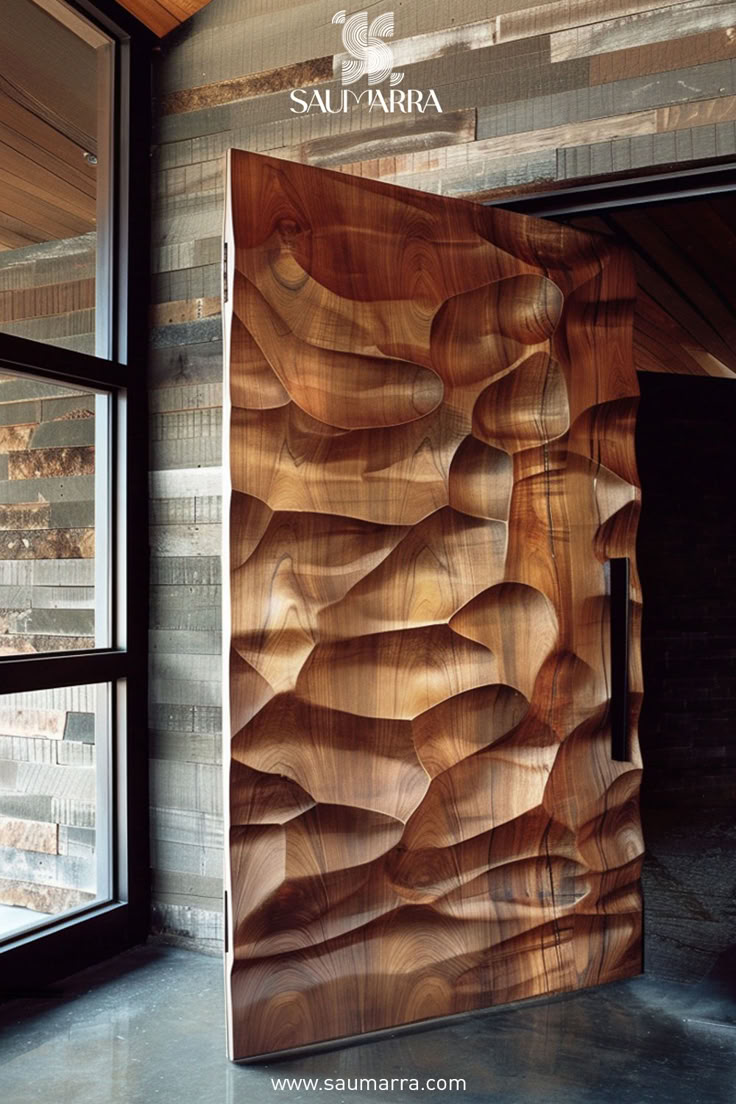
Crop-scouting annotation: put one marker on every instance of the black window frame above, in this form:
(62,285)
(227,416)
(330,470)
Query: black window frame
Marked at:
(62,946)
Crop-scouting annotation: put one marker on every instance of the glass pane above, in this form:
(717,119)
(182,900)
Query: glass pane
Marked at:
(55,113)
(54,807)
(53,517)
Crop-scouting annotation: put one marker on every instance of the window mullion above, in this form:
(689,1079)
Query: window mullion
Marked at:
(63,365)
(19,674)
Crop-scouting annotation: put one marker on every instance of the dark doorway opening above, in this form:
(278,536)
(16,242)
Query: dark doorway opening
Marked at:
(687,561)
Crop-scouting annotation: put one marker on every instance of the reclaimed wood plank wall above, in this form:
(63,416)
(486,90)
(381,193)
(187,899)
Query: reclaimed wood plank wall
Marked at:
(47,292)
(47,737)
(47,796)
(532,97)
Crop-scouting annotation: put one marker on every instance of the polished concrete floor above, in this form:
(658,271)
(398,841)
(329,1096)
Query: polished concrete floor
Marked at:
(148,1027)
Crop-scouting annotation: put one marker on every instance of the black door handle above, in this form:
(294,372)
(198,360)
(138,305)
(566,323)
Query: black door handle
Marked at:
(620,658)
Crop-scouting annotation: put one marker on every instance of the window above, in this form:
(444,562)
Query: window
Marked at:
(56,109)
(74,120)
(54,517)
(56,823)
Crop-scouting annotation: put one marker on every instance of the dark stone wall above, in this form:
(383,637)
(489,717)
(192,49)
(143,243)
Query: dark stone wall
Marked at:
(686,447)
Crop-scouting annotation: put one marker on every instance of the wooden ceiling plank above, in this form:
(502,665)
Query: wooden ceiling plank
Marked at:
(48,115)
(725,208)
(665,255)
(162,16)
(37,215)
(29,126)
(11,140)
(661,344)
(19,233)
(10,240)
(669,298)
(49,66)
(593,224)
(707,242)
(47,186)
(155,16)
(183,9)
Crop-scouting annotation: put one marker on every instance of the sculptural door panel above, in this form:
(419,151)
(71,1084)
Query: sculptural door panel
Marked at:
(430,428)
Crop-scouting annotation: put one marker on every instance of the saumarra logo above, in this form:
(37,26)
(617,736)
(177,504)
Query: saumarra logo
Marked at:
(367,53)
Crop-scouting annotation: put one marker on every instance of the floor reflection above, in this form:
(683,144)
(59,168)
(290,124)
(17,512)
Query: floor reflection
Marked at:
(149,1027)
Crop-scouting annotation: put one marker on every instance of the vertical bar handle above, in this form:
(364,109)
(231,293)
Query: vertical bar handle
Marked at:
(620,658)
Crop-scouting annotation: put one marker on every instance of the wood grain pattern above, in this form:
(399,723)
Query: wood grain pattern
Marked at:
(162,16)
(468,155)
(228,39)
(662,344)
(49,73)
(303,74)
(680,325)
(690,18)
(684,266)
(659,57)
(432,457)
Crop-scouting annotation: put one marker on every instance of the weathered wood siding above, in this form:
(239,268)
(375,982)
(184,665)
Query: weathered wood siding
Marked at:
(47,517)
(47,292)
(532,96)
(47,799)
(47,604)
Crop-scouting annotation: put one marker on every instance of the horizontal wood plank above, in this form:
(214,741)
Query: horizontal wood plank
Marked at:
(699,113)
(184,310)
(39,302)
(303,74)
(618,98)
(176,570)
(195,787)
(514,145)
(226,40)
(185,540)
(661,344)
(658,57)
(622,32)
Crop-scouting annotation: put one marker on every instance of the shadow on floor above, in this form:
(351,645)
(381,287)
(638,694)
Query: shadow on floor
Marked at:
(148,1026)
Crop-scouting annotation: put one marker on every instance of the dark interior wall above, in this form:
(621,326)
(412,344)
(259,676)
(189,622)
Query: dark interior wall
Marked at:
(687,558)
(687,561)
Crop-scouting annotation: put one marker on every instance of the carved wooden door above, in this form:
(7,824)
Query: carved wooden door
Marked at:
(431,408)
